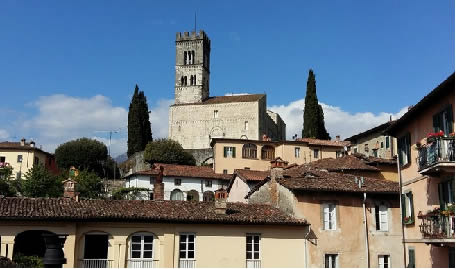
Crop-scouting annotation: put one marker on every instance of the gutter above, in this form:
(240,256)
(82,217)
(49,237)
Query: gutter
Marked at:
(400,207)
(366,230)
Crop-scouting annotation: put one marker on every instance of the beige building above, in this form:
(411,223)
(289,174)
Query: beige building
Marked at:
(196,117)
(374,142)
(21,156)
(230,154)
(150,234)
(425,136)
(354,221)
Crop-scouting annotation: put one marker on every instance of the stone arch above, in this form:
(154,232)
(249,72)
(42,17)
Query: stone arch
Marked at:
(249,151)
(267,152)
(145,252)
(177,195)
(208,196)
(30,243)
(216,131)
(95,249)
(192,195)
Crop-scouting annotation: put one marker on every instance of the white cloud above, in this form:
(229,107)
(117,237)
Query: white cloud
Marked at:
(337,121)
(159,118)
(3,134)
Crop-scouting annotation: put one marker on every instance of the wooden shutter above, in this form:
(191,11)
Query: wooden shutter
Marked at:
(404,210)
(383,218)
(449,113)
(412,213)
(411,253)
(234,152)
(380,261)
(225,149)
(326,216)
(436,122)
(333,214)
(377,218)
(408,148)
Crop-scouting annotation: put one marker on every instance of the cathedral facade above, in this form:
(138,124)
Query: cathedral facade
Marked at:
(196,117)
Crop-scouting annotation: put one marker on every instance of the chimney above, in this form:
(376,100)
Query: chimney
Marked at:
(159,186)
(69,189)
(23,142)
(220,201)
(278,163)
(32,144)
(337,138)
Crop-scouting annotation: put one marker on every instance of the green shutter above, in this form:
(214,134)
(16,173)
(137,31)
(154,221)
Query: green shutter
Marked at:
(450,118)
(411,253)
(404,211)
(408,148)
(441,200)
(435,123)
(412,213)
(224,151)
(234,152)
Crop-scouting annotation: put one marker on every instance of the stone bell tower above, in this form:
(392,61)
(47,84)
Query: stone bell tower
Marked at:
(192,67)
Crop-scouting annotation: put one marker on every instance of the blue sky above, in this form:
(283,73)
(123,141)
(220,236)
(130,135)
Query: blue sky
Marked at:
(369,57)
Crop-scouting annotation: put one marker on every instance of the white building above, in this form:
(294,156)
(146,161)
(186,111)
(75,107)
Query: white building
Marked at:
(181,182)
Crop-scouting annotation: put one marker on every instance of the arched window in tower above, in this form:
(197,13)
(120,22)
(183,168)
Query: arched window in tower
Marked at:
(191,80)
(185,57)
(193,57)
(182,81)
(185,80)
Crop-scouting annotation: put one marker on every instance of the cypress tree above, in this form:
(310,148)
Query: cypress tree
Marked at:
(314,122)
(139,130)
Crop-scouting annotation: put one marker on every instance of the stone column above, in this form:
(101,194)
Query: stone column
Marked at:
(7,246)
(120,251)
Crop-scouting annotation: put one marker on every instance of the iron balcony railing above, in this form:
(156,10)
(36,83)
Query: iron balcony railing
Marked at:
(187,263)
(440,150)
(96,263)
(142,263)
(253,264)
(436,226)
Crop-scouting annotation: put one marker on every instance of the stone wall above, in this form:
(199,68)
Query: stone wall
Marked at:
(202,156)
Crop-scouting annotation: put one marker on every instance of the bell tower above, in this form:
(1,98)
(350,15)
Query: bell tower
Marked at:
(192,67)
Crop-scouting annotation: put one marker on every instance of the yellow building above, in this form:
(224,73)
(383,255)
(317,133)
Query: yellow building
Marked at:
(140,234)
(21,156)
(230,154)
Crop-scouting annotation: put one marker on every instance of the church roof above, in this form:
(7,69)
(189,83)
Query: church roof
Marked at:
(228,99)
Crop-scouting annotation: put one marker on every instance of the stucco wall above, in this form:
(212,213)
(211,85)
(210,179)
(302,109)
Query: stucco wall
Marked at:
(238,191)
(216,245)
(28,157)
(374,141)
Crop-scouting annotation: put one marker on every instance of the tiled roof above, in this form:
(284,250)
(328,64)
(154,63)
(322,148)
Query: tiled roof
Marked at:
(17,146)
(377,129)
(228,99)
(177,170)
(320,142)
(374,160)
(347,162)
(305,177)
(251,175)
(441,91)
(66,209)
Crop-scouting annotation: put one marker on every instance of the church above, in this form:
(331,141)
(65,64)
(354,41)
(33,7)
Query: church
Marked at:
(196,117)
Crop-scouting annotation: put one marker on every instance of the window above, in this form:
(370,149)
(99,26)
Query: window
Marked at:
(208,183)
(151,196)
(229,152)
(329,216)
(331,260)
(187,250)
(185,57)
(443,121)
(411,258)
(381,144)
(177,195)
(208,196)
(215,114)
(267,153)
(387,142)
(253,251)
(2,159)
(152,180)
(316,151)
(36,160)
(381,218)
(192,196)
(366,147)
(384,261)
(225,171)
(249,151)
(19,158)
(177,182)
(407,208)
(403,145)
(246,168)
(339,154)
(355,150)
(246,125)
(446,193)
(375,153)
(297,152)
(141,246)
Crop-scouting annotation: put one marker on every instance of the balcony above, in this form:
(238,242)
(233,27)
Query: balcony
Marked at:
(436,155)
(436,226)
(142,263)
(253,263)
(96,263)
(187,263)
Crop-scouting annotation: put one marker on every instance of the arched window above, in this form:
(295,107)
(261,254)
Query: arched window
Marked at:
(177,195)
(192,195)
(182,81)
(185,80)
(267,153)
(141,250)
(185,57)
(208,196)
(249,151)
(193,57)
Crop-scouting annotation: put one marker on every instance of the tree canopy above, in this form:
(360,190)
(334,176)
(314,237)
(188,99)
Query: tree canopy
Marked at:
(40,183)
(139,130)
(89,185)
(84,154)
(167,151)
(314,122)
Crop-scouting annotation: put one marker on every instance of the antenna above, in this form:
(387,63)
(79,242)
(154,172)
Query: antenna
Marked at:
(195,21)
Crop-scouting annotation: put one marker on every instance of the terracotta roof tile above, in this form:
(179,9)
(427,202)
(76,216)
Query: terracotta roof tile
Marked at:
(251,175)
(347,162)
(320,142)
(17,146)
(227,99)
(177,170)
(66,209)
(374,160)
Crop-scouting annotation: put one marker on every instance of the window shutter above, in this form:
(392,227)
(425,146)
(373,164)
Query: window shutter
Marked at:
(411,258)
(380,261)
(224,151)
(412,213)
(377,218)
(234,152)
(383,218)
(450,118)
(404,210)
(435,123)
(400,147)
(333,217)
(408,148)
(326,217)
(451,198)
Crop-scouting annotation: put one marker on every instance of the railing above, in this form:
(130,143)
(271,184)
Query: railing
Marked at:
(253,263)
(441,150)
(187,263)
(142,263)
(96,263)
(436,226)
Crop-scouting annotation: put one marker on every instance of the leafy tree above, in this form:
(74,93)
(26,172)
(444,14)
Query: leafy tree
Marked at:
(23,261)
(84,154)
(6,186)
(314,122)
(139,130)
(167,151)
(40,183)
(89,185)
(131,193)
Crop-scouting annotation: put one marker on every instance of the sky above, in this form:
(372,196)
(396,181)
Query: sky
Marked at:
(68,68)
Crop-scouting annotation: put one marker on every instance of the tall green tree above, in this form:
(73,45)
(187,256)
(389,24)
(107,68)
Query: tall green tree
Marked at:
(139,130)
(167,151)
(314,122)
(89,185)
(84,154)
(40,183)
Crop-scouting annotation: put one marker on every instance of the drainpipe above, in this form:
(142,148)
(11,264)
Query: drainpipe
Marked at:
(400,208)
(365,227)
(305,248)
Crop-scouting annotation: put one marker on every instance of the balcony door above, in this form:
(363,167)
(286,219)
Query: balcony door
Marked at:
(96,251)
